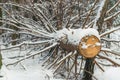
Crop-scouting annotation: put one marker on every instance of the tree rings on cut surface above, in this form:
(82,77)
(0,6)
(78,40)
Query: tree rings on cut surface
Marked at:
(89,46)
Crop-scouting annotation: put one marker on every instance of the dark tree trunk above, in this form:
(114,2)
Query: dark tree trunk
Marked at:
(88,69)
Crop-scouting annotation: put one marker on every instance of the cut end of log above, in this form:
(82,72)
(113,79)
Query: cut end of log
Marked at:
(89,46)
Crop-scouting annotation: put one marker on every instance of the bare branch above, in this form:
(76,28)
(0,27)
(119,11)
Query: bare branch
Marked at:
(110,51)
(99,66)
(89,14)
(28,43)
(42,16)
(110,60)
(7,29)
(110,31)
(114,15)
(70,54)
(109,40)
(113,7)
(27,57)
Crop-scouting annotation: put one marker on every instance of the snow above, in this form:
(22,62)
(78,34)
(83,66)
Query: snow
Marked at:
(98,44)
(29,69)
(35,72)
(111,73)
(75,35)
(84,46)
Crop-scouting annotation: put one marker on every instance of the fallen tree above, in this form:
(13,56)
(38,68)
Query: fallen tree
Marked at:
(70,37)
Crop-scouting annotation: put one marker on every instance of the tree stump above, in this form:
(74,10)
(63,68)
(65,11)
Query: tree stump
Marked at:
(89,46)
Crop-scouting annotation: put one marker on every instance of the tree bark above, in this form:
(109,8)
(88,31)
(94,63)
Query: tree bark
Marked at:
(88,69)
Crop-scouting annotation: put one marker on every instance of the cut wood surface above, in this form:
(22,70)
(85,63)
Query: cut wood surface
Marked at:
(89,46)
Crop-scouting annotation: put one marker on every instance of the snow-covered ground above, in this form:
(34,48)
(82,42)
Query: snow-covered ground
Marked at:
(111,73)
(36,72)
(32,73)
(29,69)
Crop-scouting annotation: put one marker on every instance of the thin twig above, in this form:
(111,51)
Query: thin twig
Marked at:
(89,14)
(99,66)
(113,62)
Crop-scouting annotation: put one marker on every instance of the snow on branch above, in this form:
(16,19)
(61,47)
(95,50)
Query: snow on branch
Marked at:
(100,12)
(28,43)
(89,13)
(28,27)
(110,60)
(45,17)
(110,40)
(35,34)
(110,31)
(17,5)
(2,28)
(110,51)
(27,57)
(41,16)
(74,36)
(68,55)
(113,7)
(112,16)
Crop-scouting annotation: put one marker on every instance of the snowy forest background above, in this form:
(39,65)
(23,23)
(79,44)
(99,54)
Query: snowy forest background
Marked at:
(39,39)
